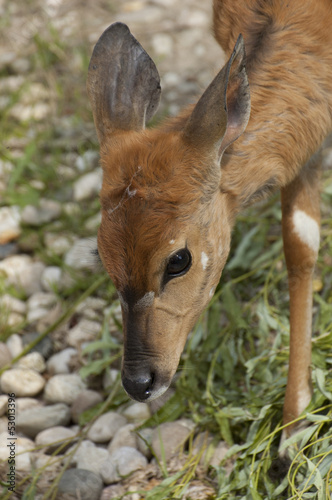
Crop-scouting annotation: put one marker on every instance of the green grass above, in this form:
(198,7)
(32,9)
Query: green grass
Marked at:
(233,372)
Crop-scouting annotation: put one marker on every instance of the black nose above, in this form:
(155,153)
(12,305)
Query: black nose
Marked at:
(139,388)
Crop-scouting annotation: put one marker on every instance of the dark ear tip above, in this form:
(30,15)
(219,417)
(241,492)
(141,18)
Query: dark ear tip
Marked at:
(118,30)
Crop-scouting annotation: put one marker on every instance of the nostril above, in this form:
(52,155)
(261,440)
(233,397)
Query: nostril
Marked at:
(139,388)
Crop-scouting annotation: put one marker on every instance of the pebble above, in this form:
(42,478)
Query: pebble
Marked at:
(92,459)
(92,223)
(88,185)
(137,412)
(85,400)
(5,354)
(15,345)
(105,427)
(79,483)
(88,160)
(63,388)
(23,273)
(91,303)
(44,346)
(39,305)
(32,360)
(59,362)
(110,376)
(22,456)
(13,304)
(162,44)
(85,331)
(10,228)
(32,421)
(3,404)
(80,256)
(41,299)
(54,438)
(125,436)
(51,278)
(23,404)
(169,437)
(219,454)
(46,211)
(144,440)
(57,244)
(122,462)
(22,381)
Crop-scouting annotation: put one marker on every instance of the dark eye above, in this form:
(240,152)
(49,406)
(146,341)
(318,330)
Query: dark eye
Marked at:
(179,263)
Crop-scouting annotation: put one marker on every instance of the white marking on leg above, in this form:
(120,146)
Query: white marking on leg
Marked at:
(123,302)
(212,292)
(306,229)
(144,301)
(204,260)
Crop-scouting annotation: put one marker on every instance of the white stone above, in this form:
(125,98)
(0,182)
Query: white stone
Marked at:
(39,305)
(9,224)
(84,331)
(33,360)
(162,44)
(88,185)
(51,278)
(122,462)
(46,211)
(92,223)
(23,273)
(12,304)
(124,437)
(22,455)
(105,427)
(91,303)
(57,243)
(307,229)
(23,382)
(63,388)
(88,160)
(93,459)
(137,412)
(82,449)
(3,404)
(110,376)
(42,299)
(15,345)
(80,256)
(54,437)
(23,404)
(59,362)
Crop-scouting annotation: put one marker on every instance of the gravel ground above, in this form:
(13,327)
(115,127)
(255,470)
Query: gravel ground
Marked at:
(50,392)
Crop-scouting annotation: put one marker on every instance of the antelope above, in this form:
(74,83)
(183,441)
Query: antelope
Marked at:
(171,194)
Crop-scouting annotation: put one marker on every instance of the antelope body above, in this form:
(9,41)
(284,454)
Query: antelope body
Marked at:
(170,195)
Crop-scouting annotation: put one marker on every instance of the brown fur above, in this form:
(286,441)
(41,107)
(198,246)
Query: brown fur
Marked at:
(165,190)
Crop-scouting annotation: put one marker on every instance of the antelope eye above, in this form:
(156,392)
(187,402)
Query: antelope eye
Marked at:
(179,263)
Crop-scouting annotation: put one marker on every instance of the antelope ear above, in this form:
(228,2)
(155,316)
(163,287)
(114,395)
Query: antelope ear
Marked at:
(123,83)
(222,113)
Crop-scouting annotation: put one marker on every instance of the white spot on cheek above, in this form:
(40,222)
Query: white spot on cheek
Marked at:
(306,229)
(172,242)
(144,302)
(204,260)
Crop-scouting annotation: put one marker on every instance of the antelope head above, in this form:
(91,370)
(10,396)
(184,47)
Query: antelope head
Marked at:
(166,222)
